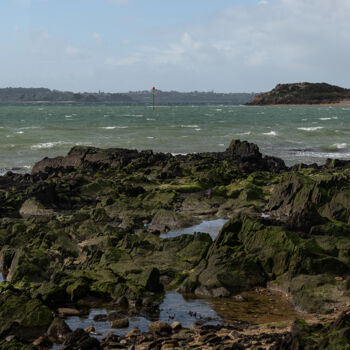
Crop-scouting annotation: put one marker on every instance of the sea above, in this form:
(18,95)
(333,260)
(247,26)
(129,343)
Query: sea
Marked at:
(308,134)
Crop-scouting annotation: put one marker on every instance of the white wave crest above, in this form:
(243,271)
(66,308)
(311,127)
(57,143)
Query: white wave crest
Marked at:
(339,145)
(179,154)
(325,118)
(332,155)
(30,127)
(113,127)
(47,145)
(190,126)
(271,133)
(312,128)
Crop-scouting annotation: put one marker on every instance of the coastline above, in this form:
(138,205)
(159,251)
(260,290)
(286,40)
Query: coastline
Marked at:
(345,103)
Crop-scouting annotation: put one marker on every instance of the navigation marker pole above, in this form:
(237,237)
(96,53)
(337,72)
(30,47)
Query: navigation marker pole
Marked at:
(154,89)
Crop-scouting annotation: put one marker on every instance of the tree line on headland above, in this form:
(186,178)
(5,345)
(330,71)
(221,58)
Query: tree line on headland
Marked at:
(27,95)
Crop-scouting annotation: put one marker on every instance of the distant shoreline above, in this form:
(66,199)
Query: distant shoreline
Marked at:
(345,103)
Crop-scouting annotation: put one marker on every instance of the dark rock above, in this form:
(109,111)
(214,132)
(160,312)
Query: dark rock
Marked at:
(58,330)
(76,337)
(121,302)
(101,318)
(90,344)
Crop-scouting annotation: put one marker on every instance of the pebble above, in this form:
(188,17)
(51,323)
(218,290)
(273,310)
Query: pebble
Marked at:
(90,329)
(121,323)
(159,327)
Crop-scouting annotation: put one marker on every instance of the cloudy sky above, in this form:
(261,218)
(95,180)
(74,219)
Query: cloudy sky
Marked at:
(185,45)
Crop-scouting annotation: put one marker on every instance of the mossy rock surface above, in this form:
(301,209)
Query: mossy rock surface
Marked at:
(110,206)
(23,317)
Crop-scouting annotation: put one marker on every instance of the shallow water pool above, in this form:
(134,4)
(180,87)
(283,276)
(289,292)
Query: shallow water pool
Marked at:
(212,227)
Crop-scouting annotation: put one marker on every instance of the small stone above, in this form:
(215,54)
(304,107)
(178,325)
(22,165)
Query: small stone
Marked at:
(159,327)
(120,323)
(90,329)
(338,278)
(238,298)
(41,341)
(9,338)
(176,326)
(65,311)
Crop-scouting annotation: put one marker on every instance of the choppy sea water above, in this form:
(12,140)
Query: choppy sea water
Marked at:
(297,134)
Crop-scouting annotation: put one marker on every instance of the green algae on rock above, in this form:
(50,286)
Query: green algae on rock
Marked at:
(91,221)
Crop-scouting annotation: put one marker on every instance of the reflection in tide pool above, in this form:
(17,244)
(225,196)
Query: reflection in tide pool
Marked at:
(174,308)
(212,227)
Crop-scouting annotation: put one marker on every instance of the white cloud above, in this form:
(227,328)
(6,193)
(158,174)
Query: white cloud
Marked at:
(245,47)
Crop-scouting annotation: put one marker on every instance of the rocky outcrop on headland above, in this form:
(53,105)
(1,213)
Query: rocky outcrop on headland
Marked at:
(302,93)
(85,228)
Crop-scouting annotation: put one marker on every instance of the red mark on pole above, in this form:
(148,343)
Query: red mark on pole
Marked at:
(154,89)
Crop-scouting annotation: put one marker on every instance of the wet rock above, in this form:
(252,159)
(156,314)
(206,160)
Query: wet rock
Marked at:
(58,330)
(90,329)
(120,323)
(79,339)
(76,336)
(159,327)
(101,318)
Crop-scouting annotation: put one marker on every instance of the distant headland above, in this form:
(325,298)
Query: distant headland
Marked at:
(44,95)
(303,94)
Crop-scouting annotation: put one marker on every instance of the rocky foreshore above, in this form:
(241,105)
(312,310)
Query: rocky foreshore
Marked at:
(85,229)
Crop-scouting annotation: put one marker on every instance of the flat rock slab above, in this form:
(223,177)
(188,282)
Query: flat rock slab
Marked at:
(65,311)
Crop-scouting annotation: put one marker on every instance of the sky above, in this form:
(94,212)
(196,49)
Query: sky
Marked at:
(183,45)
